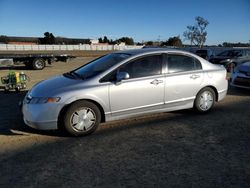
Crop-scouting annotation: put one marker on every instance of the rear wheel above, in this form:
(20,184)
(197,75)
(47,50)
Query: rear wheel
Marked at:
(82,118)
(205,100)
(38,64)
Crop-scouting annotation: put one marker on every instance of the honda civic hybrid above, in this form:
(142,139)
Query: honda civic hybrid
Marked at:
(121,85)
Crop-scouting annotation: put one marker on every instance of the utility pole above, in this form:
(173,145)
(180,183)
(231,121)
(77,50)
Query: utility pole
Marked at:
(159,39)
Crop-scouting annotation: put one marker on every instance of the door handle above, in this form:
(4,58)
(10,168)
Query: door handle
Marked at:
(156,82)
(194,76)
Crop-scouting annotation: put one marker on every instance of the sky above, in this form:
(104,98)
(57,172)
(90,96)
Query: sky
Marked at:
(143,20)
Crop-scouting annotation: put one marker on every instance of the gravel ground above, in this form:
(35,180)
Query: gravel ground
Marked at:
(178,149)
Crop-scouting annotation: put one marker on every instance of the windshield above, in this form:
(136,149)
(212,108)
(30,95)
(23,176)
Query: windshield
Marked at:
(231,53)
(98,65)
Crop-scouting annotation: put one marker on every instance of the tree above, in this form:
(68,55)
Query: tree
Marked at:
(4,39)
(126,40)
(173,41)
(149,43)
(105,39)
(48,38)
(100,40)
(197,34)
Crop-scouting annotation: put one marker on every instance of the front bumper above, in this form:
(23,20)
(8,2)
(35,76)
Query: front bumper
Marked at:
(240,86)
(41,116)
(240,80)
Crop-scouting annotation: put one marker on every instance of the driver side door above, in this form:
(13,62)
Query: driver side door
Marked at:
(143,91)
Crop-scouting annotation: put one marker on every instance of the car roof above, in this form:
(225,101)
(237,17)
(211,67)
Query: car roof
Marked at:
(149,50)
(236,49)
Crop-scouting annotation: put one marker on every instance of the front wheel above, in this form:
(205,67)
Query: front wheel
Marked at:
(205,100)
(82,118)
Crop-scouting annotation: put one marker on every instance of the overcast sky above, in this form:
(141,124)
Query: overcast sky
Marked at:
(229,20)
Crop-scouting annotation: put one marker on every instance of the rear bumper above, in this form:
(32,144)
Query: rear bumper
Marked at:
(222,94)
(240,80)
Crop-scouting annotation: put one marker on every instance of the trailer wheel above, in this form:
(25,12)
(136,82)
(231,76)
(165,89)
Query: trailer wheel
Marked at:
(38,64)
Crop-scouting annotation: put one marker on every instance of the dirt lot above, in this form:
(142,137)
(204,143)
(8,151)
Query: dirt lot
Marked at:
(178,149)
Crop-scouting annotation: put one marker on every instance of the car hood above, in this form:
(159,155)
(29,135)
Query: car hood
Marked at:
(245,67)
(55,85)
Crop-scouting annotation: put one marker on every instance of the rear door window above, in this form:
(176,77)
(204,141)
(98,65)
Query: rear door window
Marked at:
(182,63)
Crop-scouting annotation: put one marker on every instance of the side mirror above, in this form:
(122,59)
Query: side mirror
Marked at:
(122,76)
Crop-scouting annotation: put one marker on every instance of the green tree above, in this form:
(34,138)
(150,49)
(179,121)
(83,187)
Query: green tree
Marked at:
(105,39)
(4,39)
(149,43)
(100,40)
(48,38)
(197,34)
(173,41)
(126,40)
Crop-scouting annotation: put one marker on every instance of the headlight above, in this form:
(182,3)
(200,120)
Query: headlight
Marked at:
(227,60)
(42,100)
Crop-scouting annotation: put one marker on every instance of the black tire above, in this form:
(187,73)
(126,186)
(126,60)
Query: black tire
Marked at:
(73,111)
(202,106)
(38,64)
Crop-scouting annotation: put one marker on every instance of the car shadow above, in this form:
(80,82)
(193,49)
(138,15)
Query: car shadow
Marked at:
(11,122)
(203,147)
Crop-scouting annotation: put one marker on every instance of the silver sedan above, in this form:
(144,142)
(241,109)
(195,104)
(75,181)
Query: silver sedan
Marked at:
(121,85)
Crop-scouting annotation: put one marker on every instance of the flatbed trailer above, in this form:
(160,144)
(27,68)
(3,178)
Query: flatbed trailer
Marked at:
(36,61)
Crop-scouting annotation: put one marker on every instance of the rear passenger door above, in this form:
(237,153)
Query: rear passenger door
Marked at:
(183,79)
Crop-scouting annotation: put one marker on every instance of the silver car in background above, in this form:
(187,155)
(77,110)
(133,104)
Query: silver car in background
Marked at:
(240,76)
(121,85)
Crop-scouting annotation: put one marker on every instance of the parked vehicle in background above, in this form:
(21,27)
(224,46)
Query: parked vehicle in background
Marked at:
(205,53)
(231,58)
(122,85)
(240,76)
(35,61)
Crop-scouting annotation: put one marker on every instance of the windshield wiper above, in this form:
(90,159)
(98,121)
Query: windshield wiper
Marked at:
(68,74)
(78,75)
(72,74)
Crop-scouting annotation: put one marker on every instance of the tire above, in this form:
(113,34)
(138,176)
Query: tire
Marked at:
(81,118)
(38,64)
(204,100)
